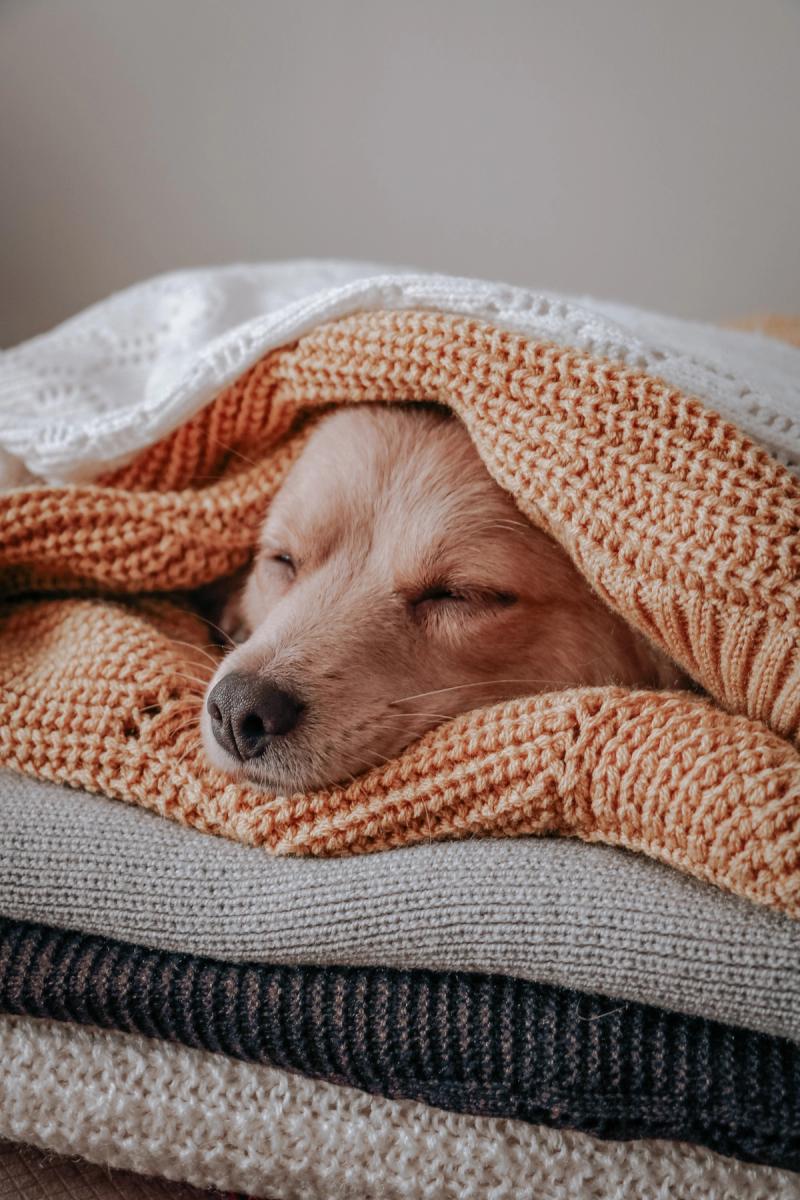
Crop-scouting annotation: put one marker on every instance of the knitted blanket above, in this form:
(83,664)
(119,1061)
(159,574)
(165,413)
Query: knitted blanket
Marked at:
(120,376)
(675,517)
(211,1120)
(487,1045)
(553,910)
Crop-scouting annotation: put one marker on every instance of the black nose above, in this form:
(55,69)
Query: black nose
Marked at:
(247,713)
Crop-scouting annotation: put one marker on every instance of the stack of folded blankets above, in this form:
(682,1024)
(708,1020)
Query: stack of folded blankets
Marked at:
(550,951)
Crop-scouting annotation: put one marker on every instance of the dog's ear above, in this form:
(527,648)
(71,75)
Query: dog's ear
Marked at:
(220,603)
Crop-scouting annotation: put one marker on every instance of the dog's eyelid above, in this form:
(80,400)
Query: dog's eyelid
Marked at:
(282,558)
(441,594)
(438,591)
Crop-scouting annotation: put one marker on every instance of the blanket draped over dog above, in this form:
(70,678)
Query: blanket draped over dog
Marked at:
(676,518)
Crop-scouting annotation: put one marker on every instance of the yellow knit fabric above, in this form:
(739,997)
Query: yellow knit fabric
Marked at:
(680,523)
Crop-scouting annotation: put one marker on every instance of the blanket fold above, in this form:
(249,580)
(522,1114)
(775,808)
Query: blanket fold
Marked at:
(678,521)
(553,910)
(486,1045)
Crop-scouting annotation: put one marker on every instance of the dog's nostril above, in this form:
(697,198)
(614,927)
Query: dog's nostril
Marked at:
(252,725)
(251,735)
(247,713)
(272,713)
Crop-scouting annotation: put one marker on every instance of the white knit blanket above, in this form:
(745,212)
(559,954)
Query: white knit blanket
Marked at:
(96,390)
(145,1105)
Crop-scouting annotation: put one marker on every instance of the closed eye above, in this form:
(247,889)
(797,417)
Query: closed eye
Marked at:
(279,561)
(468,598)
(439,594)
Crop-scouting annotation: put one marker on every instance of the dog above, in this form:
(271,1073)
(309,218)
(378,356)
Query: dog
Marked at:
(396,585)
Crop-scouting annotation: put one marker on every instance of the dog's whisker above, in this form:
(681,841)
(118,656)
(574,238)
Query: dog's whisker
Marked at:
(370,763)
(482,683)
(365,762)
(183,728)
(193,719)
(195,697)
(418,716)
(380,756)
(190,692)
(219,629)
(187,752)
(238,454)
(190,612)
(512,526)
(198,649)
(193,678)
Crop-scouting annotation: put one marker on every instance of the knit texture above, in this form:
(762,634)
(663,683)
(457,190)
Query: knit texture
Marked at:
(28,1174)
(124,373)
(210,1120)
(554,910)
(487,1045)
(679,522)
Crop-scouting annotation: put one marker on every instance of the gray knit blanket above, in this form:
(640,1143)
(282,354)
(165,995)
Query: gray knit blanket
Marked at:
(550,910)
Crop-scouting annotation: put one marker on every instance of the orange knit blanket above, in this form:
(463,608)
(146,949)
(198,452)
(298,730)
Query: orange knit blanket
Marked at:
(680,523)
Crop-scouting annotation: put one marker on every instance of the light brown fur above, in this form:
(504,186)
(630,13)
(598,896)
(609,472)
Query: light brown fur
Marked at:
(418,592)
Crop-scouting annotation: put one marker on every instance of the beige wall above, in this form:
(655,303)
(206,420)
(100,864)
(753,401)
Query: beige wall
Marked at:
(647,151)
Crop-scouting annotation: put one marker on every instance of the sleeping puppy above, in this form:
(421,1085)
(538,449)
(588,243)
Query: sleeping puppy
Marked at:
(395,585)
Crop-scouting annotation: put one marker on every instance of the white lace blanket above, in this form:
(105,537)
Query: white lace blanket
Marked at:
(122,374)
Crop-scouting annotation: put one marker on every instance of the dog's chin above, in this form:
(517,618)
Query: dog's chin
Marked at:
(267,773)
(271,777)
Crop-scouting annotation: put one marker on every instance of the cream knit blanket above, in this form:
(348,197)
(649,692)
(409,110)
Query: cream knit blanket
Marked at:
(162,1109)
(118,377)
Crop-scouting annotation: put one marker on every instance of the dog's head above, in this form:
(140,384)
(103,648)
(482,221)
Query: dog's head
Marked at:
(395,585)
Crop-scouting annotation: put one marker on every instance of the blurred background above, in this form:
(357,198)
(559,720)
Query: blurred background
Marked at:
(632,149)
